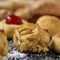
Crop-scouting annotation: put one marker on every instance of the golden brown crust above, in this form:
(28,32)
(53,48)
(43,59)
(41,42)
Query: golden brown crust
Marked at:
(0,57)
(49,23)
(28,37)
(3,43)
(55,43)
(9,28)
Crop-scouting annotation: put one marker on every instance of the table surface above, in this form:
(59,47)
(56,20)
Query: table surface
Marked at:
(14,54)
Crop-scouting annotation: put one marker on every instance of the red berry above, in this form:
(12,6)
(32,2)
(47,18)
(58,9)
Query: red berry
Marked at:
(12,19)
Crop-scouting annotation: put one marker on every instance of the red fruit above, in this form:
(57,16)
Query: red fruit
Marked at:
(12,19)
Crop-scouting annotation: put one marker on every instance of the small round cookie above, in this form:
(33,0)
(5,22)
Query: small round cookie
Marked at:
(49,23)
(31,38)
(55,43)
(10,28)
(3,43)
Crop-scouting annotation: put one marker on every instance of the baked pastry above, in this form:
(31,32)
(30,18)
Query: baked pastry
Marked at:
(31,38)
(3,44)
(13,4)
(49,23)
(55,43)
(39,8)
(9,28)
(0,57)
